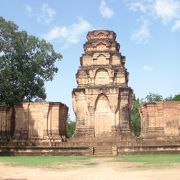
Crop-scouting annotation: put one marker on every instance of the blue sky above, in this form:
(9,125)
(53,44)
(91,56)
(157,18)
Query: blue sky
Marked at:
(147,30)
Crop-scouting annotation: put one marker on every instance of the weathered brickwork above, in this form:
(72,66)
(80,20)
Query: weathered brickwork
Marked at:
(33,121)
(102,100)
(6,122)
(160,119)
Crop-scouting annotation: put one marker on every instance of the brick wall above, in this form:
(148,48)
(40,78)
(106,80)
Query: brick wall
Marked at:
(35,120)
(160,119)
(6,122)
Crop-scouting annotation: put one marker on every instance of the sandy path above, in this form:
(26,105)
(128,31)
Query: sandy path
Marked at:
(102,171)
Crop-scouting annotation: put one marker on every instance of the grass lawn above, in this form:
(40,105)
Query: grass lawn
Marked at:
(151,160)
(42,161)
(136,161)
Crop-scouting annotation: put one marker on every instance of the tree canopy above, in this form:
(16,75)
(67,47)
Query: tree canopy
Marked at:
(152,97)
(174,98)
(135,117)
(26,62)
(70,128)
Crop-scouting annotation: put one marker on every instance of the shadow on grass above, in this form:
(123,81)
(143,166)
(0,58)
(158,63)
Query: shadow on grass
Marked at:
(90,164)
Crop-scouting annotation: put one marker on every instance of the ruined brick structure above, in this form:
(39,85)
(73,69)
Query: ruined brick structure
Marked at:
(33,121)
(102,104)
(102,100)
(160,119)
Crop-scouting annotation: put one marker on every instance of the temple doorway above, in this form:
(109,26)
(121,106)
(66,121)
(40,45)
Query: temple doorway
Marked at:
(103,116)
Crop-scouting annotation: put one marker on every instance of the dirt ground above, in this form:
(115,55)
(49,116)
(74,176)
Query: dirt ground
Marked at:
(97,169)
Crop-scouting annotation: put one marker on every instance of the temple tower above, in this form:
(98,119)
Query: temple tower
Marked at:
(102,100)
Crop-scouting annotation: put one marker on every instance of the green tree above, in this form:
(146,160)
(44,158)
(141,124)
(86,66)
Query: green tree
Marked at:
(168,98)
(175,98)
(135,117)
(26,62)
(70,128)
(152,97)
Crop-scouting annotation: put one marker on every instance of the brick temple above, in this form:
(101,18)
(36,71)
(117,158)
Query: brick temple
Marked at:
(102,99)
(102,104)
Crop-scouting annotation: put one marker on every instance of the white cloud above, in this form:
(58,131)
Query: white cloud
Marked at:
(147,68)
(68,34)
(55,33)
(142,35)
(105,10)
(176,25)
(138,6)
(167,11)
(44,14)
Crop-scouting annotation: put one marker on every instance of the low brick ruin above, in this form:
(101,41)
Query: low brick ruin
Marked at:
(160,120)
(33,122)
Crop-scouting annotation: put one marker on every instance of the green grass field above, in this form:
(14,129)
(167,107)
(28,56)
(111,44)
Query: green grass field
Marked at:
(151,160)
(41,161)
(145,160)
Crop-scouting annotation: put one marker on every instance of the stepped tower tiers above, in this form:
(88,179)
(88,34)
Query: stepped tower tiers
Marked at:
(102,100)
